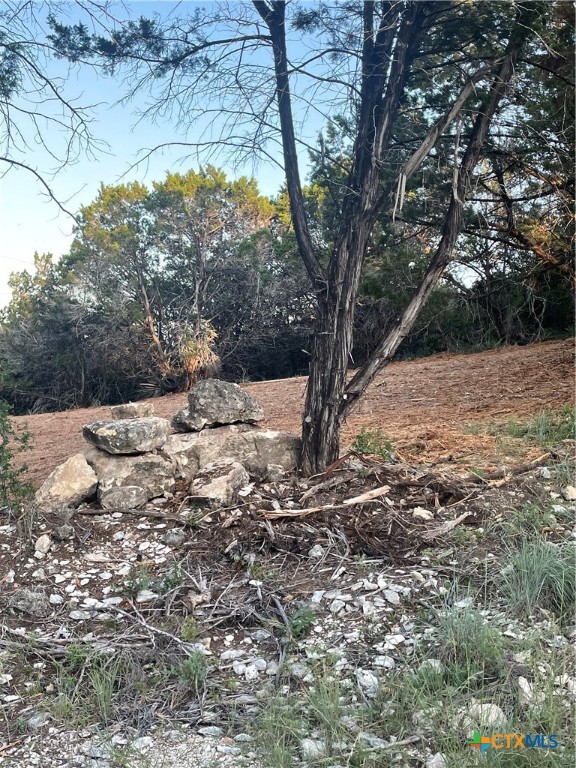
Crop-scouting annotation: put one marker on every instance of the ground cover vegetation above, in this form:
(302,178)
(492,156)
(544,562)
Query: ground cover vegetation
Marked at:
(298,629)
(436,213)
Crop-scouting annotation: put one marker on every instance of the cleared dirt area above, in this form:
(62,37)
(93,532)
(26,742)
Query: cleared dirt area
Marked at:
(426,406)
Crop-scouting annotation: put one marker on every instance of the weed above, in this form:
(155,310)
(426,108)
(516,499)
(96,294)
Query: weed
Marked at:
(172,579)
(546,429)
(302,621)
(279,729)
(374,443)
(193,671)
(13,489)
(470,648)
(139,580)
(190,629)
(540,575)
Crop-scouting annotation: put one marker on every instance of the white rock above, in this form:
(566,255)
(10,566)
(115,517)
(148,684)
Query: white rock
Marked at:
(239,667)
(422,514)
(392,596)
(337,606)
(528,696)
(544,473)
(298,670)
(367,681)
(316,552)
(211,730)
(56,599)
(569,493)
(435,665)
(143,743)
(312,749)
(436,761)
(80,615)
(386,662)
(43,544)
(69,484)
(487,715)
(250,672)
(145,596)
(232,654)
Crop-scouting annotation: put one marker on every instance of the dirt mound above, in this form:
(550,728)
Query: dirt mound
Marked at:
(424,406)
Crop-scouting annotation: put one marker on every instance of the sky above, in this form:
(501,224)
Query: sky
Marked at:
(30,222)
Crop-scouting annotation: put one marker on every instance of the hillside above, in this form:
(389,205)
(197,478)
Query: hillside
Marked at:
(425,406)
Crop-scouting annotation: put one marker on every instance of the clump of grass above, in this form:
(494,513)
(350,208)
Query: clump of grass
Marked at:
(279,729)
(471,649)
(374,443)
(193,671)
(540,575)
(527,521)
(547,428)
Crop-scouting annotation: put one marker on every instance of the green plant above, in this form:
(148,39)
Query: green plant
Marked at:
(373,442)
(470,648)
(190,629)
(541,575)
(193,671)
(547,428)
(302,621)
(279,728)
(13,488)
(140,579)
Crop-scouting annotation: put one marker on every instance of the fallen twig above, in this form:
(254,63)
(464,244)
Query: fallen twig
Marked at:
(443,529)
(505,472)
(362,499)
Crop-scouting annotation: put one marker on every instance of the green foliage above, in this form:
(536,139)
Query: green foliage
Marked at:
(374,443)
(193,671)
(547,429)
(13,486)
(471,649)
(301,622)
(540,577)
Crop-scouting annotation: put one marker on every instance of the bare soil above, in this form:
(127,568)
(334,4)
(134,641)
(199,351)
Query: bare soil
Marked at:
(425,407)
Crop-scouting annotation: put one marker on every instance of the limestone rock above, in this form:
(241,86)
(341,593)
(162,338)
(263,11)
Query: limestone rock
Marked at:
(128,436)
(486,715)
(154,474)
(213,402)
(30,602)
(43,544)
(124,497)
(258,451)
(69,484)
(220,482)
(132,411)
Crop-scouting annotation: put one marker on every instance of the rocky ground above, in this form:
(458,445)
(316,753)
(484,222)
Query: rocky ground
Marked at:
(375,616)
(418,595)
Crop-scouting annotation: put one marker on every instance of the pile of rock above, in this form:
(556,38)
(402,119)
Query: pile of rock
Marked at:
(134,457)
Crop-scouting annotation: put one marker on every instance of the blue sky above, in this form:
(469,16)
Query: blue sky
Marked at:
(29,222)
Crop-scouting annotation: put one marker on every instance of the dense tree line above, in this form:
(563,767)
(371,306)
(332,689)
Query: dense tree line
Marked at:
(200,275)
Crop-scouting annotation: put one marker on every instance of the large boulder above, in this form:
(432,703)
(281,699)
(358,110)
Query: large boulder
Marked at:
(213,402)
(219,482)
(154,474)
(257,450)
(68,485)
(128,436)
(132,411)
